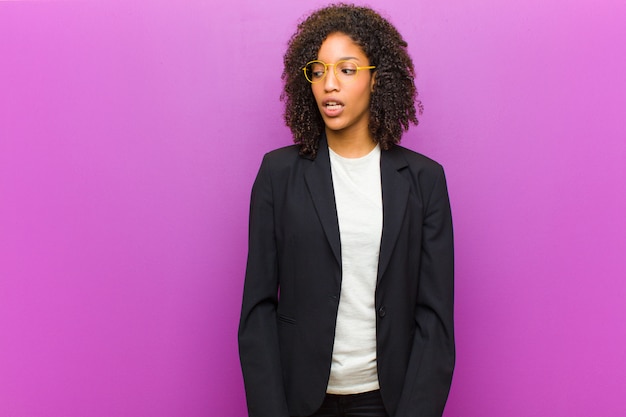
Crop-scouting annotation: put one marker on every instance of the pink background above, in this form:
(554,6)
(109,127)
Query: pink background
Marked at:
(130,134)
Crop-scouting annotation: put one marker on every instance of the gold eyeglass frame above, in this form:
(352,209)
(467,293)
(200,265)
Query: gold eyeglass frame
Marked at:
(334,70)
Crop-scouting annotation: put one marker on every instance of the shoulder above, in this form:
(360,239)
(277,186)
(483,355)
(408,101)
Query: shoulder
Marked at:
(425,174)
(417,163)
(285,151)
(279,162)
(281,156)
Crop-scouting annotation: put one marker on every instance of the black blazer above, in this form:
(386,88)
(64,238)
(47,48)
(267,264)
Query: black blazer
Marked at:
(293,281)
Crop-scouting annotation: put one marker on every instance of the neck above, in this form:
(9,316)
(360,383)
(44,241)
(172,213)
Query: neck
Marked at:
(350,145)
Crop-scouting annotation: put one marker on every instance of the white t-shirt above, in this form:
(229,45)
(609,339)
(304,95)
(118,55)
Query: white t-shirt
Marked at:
(358,197)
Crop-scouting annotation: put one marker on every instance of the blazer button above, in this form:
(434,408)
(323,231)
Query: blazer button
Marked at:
(382,312)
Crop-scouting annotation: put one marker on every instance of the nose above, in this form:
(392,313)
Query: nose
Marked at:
(330,81)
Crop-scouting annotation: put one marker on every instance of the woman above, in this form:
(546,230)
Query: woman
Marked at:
(348,298)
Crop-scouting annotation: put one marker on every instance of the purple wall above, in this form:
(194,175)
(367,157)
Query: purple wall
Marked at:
(130,134)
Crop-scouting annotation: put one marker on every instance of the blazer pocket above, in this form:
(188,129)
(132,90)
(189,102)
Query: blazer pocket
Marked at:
(286,319)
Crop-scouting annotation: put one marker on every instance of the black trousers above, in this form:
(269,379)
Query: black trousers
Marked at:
(367,404)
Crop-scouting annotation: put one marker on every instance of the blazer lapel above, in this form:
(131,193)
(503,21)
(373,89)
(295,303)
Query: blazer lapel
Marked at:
(395,196)
(318,178)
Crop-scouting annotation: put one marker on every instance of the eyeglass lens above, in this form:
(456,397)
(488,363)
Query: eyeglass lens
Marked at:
(344,70)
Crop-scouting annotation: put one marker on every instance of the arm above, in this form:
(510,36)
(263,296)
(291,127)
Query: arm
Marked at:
(258,333)
(431,364)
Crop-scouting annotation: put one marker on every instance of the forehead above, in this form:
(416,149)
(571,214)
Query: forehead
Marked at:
(340,46)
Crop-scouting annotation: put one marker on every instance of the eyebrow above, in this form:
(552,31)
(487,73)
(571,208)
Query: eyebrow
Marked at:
(345,58)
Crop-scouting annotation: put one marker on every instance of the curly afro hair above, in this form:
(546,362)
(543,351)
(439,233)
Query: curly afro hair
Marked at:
(393,101)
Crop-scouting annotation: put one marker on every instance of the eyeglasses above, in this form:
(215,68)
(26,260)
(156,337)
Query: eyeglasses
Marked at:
(345,71)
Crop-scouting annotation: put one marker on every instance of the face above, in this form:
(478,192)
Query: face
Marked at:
(344,105)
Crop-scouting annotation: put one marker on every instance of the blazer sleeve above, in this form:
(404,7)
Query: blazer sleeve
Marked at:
(429,374)
(258,333)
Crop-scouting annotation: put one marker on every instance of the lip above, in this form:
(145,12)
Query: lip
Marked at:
(332,107)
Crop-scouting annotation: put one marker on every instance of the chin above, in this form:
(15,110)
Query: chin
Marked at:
(334,125)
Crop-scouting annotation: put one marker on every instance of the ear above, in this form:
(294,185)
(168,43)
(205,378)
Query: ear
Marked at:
(372,82)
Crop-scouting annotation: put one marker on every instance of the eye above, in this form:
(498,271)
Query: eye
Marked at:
(347,68)
(315,70)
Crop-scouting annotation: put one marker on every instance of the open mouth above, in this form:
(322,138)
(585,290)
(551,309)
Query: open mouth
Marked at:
(333,105)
